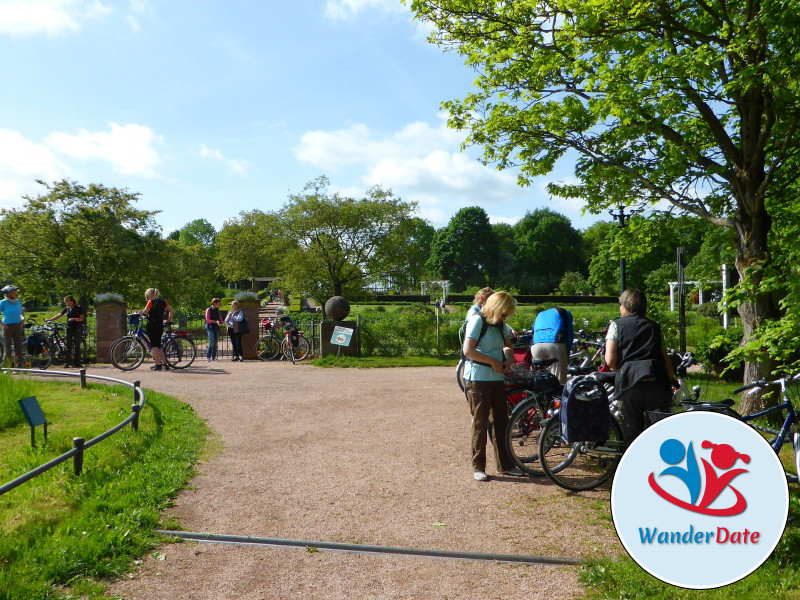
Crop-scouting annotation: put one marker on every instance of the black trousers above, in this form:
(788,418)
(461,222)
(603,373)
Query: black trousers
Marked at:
(639,399)
(74,336)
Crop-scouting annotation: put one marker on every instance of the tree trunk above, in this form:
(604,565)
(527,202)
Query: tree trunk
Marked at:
(752,228)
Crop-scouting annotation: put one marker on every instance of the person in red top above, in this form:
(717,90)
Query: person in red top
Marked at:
(213,321)
(158,311)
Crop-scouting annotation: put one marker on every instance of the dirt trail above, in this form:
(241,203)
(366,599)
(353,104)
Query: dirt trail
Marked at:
(366,456)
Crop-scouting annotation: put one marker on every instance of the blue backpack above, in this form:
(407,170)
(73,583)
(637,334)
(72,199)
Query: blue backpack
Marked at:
(584,411)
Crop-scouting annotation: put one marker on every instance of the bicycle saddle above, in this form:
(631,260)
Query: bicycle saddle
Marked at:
(543,363)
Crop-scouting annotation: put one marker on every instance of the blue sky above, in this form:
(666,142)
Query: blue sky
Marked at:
(211,108)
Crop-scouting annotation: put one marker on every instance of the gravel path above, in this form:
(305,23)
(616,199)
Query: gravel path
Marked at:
(365,456)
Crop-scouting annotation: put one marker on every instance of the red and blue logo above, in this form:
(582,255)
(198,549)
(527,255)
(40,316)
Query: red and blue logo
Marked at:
(717,475)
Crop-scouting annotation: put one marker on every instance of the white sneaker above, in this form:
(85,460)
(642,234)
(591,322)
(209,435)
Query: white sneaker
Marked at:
(481,476)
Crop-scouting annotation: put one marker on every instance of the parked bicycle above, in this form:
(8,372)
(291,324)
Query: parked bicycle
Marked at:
(58,343)
(293,345)
(268,346)
(35,349)
(788,434)
(585,465)
(129,351)
(538,400)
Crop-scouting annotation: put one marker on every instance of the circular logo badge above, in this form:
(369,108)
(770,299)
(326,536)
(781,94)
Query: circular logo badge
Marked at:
(700,500)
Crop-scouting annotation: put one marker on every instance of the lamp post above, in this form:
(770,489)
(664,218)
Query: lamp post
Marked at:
(621,216)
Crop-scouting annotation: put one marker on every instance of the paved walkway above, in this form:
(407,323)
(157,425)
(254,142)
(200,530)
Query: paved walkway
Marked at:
(366,456)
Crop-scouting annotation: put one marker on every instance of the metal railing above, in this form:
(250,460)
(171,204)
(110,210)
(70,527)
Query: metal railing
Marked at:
(80,445)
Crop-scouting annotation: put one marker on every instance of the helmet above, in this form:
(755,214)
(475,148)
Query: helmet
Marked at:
(9,288)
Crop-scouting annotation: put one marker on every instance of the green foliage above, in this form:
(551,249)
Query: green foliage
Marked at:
(80,240)
(650,99)
(540,236)
(61,530)
(465,251)
(249,246)
(336,244)
(574,284)
(714,349)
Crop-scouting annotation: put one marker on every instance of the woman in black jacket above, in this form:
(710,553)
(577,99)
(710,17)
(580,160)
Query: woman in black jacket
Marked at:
(635,350)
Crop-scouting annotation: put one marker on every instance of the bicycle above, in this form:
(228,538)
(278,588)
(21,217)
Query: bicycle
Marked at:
(295,346)
(128,352)
(526,417)
(268,346)
(58,343)
(35,350)
(776,439)
(582,465)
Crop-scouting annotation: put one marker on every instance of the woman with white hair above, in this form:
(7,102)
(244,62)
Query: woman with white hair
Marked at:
(13,321)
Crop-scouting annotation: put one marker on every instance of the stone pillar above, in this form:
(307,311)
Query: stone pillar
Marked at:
(111,325)
(250,310)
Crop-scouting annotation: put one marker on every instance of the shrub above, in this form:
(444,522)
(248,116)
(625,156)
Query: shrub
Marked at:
(713,351)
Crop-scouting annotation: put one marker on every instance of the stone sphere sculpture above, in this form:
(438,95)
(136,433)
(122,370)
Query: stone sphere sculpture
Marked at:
(337,308)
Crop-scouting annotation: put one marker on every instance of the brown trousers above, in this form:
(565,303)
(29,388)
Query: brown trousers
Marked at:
(487,401)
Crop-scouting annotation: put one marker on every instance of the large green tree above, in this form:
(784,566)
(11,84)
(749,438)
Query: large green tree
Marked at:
(693,104)
(337,244)
(81,240)
(547,247)
(248,246)
(465,251)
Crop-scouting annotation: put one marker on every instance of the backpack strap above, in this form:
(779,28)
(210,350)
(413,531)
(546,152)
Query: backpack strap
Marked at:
(561,336)
(484,328)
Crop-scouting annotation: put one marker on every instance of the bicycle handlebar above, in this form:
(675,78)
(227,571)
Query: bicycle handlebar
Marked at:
(756,384)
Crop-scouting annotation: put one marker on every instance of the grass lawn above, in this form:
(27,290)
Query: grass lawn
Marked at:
(62,535)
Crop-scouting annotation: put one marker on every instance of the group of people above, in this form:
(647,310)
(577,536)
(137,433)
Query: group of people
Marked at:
(634,350)
(13,321)
(235,322)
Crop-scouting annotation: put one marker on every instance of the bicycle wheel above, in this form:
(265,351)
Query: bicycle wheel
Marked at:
(580,465)
(460,374)
(57,354)
(268,347)
(296,352)
(180,352)
(41,357)
(522,436)
(127,353)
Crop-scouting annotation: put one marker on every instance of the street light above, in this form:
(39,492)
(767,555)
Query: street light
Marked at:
(621,216)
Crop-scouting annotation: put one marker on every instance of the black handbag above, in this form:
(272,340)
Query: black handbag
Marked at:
(243,326)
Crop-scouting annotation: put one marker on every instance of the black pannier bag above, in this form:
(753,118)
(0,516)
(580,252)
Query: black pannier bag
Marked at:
(584,411)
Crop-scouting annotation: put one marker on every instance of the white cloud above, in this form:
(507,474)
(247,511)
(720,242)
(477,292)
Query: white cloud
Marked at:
(129,148)
(21,163)
(133,23)
(50,17)
(237,166)
(345,9)
(419,162)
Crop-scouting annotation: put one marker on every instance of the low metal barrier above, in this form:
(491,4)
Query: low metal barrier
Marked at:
(80,445)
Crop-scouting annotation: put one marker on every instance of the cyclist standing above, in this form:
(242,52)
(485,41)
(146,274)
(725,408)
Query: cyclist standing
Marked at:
(157,312)
(635,350)
(552,338)
(13,320)
(75,320)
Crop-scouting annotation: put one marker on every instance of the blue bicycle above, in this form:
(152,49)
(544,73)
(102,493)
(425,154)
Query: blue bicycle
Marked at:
(129,351)
(788,387)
